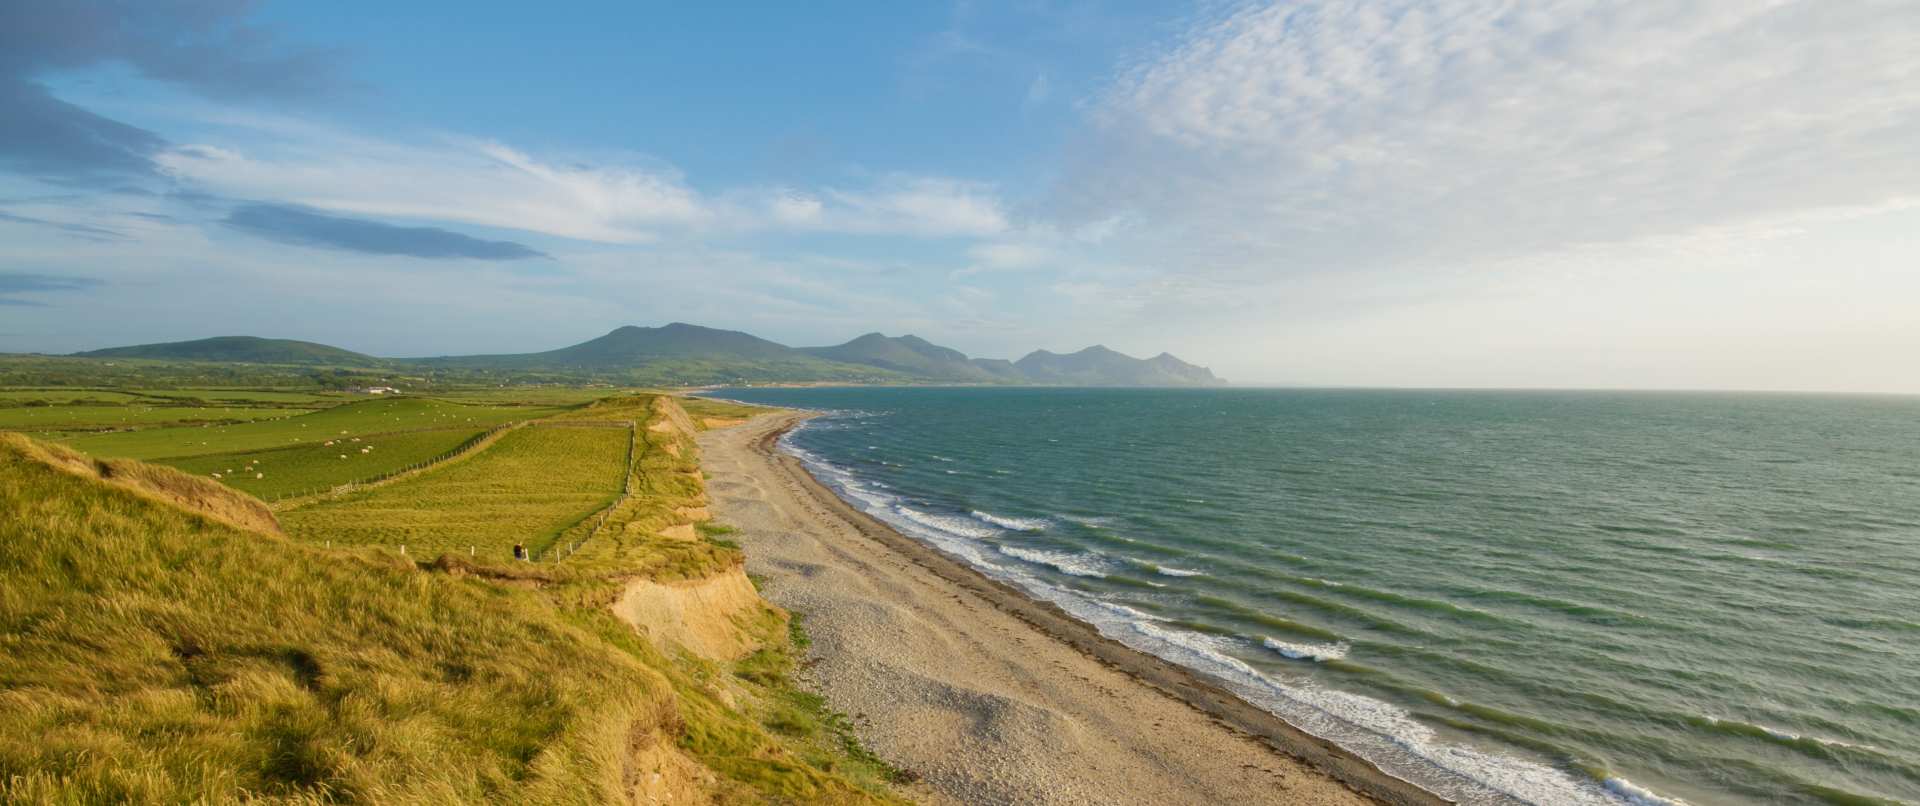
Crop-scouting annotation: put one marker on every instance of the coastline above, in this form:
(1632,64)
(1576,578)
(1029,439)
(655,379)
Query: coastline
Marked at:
(1089,719)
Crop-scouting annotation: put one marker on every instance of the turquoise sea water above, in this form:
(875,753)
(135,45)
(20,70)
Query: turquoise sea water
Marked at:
(1544,597)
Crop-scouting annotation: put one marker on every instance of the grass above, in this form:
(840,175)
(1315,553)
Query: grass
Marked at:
(527,488)
(151,655)
(266,396)
(702,409)
(61,397)
(161,641)
(100,418)
(305,469)
(360,419)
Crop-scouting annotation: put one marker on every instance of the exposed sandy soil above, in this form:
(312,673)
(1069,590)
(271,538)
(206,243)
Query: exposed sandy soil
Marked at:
(701,615)
(987,695)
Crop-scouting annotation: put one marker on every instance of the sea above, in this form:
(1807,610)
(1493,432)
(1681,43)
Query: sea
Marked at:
(1503,597)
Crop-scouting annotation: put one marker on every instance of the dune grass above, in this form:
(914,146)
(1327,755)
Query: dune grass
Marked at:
(151,655)
(527,488)
(161,641)
(702,409)
(313,468)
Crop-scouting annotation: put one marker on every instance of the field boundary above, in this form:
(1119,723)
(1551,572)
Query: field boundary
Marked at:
(604,513)
(478,443)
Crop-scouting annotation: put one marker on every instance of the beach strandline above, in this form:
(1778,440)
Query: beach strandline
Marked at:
(987,694)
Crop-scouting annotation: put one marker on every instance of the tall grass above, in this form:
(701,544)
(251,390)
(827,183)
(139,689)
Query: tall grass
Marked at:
(161,642)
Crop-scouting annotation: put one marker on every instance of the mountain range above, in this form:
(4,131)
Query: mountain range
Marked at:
(691,354)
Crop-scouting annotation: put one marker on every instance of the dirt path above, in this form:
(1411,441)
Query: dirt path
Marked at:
(984,693)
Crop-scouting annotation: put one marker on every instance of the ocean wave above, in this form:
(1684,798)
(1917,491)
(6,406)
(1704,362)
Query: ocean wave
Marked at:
(1080,565)
(1090,522)
(1009,522)
(1786,737)
(1163,570)
(1636,795)
(1319,653)
(965,527)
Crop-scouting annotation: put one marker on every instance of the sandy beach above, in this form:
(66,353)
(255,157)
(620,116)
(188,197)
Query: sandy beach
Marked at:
(985,694)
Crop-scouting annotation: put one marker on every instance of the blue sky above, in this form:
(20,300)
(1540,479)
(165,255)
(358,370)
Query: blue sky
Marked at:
(1376,192)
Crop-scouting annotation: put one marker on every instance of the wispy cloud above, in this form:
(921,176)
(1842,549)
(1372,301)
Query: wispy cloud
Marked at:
(303,227)
(13,284)
(1344,132)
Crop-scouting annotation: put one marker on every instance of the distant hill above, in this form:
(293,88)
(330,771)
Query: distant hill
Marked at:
(684,354)
(246,349)
(1099,366)
(676,353)
(912,355)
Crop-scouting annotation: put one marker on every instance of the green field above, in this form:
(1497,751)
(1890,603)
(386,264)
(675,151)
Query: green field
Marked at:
(268,396)
(162,642)
(100,418)
(528,487)
(61,397)
(354,419)
(282,472)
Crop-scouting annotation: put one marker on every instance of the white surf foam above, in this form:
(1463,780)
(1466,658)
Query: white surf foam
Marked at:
(1080,565)
(1378,731)
(1009,522)
(1636,795)
(965,527)
(1178,572)
(1319,653)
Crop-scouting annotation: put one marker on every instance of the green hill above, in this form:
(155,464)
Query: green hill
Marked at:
(911,355)
(675,353)
(241,349)
(1099,366)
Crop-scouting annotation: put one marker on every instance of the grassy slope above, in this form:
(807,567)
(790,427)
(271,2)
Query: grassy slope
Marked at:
(148,654)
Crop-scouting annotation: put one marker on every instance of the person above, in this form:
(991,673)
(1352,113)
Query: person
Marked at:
(519,551)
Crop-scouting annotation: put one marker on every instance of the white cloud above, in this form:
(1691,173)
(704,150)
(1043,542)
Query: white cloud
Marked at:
(618,199)
(1330,133)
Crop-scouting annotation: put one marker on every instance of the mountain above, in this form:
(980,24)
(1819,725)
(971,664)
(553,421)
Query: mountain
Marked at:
(1099,366)
(911,355)
(675,353)
(683,354)
(247,349)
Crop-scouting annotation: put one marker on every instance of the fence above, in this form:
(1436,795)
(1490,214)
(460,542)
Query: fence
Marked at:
(600,518)
(457,451)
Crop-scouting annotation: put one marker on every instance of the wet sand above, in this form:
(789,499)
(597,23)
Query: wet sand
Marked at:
(985,694)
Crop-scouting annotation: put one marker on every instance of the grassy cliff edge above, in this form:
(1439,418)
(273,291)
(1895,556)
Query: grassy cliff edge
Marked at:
(161,640)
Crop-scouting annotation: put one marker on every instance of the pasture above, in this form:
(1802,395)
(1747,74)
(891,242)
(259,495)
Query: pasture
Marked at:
(358,419)
(119,417)
(527,488)
(305,469)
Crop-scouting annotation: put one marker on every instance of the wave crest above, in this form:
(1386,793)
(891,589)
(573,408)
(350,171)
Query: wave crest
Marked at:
(1010,522)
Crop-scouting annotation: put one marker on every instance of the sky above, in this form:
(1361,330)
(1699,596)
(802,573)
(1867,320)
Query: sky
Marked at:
(1691,194)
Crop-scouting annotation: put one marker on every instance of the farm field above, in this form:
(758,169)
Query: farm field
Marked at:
(350,420)
(269,396)
(277,473)
(63,396)
(98,418)
(535,396)
(526,488)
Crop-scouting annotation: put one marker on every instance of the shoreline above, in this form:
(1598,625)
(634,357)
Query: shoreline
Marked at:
(1224,718)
